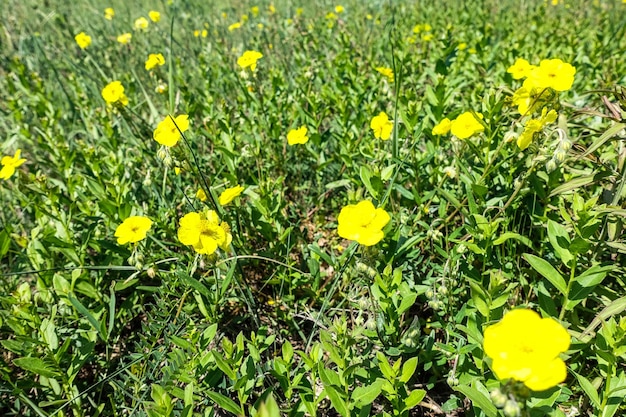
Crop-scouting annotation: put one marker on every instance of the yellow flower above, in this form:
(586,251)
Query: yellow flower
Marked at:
(230,194)
(204,33)
(533,126)
(362,222)
(300,10)
(234,26)
(201,195)
(382,126)
(196,33)
(461,46)
(168,131)
(9,163)
(387,72)
(154,16)
(526,348)
(113,93)
(427,37)
(271,8)
(124,38)
(553,73)
(466,125)
(339,9)
(133,229)
(83,40)
(161,88)
(154,60)
(331,16)
(297,136)
(249,59)
(204,232)
(442,128)
(255,10)
(141,23)
(520,69)
(109,13)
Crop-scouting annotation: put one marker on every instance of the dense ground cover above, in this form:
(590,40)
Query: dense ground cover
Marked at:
(356,208)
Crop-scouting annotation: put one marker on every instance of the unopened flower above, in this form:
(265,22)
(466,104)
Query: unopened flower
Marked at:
(229,194)
(466,125)
(249,59)
(154,60)
(169,129)
(83,40)
(9,163)
(133,229)
(297,136)
(204,232)
(526,348)
(201,195)
(382,126)
(362,222)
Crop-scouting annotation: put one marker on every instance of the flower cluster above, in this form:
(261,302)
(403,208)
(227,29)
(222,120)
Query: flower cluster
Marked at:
(204,232)
(169,129)
(526,348)
(549,74)
(362,222)
(9,163)
(109,13)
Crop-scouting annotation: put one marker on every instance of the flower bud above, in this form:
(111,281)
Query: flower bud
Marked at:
(498,398)
(551,165)
(560,155)
(511,409)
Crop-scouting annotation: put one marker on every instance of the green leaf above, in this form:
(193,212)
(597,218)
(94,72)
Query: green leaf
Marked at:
(560,241)
(366,177)
(224,366)
(37,366)
(337,401)
(589,389)
(548,272)
(365,395)
(195,284)
(608,134)
(614,308)
(225,402)
(92,320)
(511,235)
(414,398)
(385,368)
(586,282)
(268,407)
(479,400)
(408,369)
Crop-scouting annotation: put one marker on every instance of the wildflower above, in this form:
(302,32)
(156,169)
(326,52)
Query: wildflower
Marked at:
(553,73)
(526,347)
(362,222)
(382,126)
(109,13)
(249,59)
(113,93)
(9,163)
(133,229)
(204,33)
(466,125)
(169,129)
(427,37)
(234,26)
(204,232)
(254,10)
(201,195)
(442,128)
(271,8)
(520,69)
(331,16)
(461,46)
(297,136)
(533,126)
(154,16)
(141,23)
(124,38)
(450,171)
(230,194)
(339,9)
(196,33)
(387,72)
(83,40)
(160,88)
(299,11)
(154,60)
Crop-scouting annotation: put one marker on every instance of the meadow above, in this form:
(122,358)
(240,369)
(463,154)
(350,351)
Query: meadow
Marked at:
(377,207)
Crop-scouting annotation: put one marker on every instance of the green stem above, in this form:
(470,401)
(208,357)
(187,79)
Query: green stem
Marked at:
(572,274)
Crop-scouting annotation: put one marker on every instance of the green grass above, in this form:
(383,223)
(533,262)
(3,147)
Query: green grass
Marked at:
(292,319)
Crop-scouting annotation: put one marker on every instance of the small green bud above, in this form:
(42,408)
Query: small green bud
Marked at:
(511,409)
(498,398)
